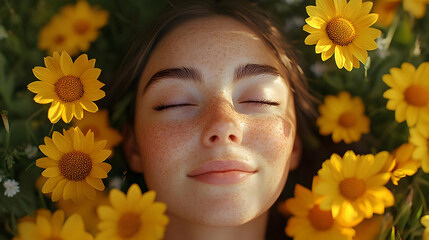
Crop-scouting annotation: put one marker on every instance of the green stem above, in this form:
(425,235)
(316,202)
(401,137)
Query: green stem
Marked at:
(391,31)
(52,129)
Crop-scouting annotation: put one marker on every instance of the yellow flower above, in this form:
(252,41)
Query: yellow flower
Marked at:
(132,216)
(343,117)
(336,26)
(84,23)
(86,209)
(409,92)
(56,37)
(50,227)
(310,222)
(417,8)
(405,164)
(369,229)
(70,87)
(74,165)
(353,186)
(419,136)
(425,222)
(99,124)
(386,10)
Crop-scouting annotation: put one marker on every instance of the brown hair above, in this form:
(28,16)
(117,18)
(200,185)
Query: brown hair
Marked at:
(251,15)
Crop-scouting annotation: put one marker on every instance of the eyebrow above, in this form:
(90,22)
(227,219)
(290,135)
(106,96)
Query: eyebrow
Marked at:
(186,73)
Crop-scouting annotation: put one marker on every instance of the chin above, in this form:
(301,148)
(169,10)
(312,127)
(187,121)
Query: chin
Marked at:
(227,211)
(226,217)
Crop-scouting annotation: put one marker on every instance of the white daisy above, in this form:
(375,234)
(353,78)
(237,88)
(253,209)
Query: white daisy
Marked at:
(11,187)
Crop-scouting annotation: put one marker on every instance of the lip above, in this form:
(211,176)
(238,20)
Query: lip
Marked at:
(222,172)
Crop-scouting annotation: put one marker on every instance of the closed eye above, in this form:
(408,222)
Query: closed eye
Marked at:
(162,106)
(263,102)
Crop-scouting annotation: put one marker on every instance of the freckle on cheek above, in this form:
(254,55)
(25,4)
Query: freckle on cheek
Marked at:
(287,128)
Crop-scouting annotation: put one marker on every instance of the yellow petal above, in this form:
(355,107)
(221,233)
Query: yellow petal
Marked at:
(66,64)
(89,106)
(44,74)
(61,143)
(80,65)
(58,191)
(55,111)
(51,172)
(98,172)
(51,183)
(90,75)
(95,183)
(46,162)
(118,200)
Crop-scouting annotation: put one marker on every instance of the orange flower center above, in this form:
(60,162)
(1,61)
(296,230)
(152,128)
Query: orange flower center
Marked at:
(391,6)
(75,165)
(59,39)
(55,238)
(128,225)
(321,220)
(341,31)
(69,88)
(347,120)
(352,188)
(81,27)
(417,95)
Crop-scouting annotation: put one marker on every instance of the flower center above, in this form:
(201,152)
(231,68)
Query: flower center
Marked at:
(81,27)
(55,238)
(341,31)
(128,225)
(352,188)
(75,165)
(347,120)
(417,95)
(69,88)
(59,39)
(321,220)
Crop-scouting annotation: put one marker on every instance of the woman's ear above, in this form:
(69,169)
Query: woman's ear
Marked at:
(130,148)
(296,153)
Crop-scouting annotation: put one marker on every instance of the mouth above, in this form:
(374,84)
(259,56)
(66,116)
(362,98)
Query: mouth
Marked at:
(222,172)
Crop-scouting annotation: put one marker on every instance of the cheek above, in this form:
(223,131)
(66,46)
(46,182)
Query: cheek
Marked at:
(163,147)
(272,138)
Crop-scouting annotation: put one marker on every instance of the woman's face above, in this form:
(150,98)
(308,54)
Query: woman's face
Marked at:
(214,123)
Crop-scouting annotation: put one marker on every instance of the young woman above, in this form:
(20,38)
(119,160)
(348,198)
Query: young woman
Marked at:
(214,132)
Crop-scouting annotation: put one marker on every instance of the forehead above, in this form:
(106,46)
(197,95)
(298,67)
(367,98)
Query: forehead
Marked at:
(207,43)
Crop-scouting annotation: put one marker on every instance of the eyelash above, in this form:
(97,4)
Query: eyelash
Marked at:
(262,102)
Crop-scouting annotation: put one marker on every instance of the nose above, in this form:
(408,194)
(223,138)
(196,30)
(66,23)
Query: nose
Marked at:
(222,127)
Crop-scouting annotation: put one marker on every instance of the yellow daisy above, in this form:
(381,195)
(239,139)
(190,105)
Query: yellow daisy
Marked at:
(343,117)
(386,10)
(342,28)
(132,216)
(408,95)
(99,124)
(405,164)
(416,8)
(74,165)
(84,21)
(369,229)
(310,222)
(425,222)
(69,87)
(352,187)
(50,227)
(419,136)
(55,37)
(86,209)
